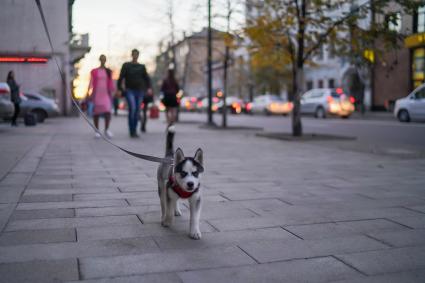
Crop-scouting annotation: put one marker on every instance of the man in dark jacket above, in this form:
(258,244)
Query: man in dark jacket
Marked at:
(137,83)
(14,96)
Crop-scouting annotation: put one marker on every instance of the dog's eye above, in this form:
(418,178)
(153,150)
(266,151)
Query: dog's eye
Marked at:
(183,174)
(195,174)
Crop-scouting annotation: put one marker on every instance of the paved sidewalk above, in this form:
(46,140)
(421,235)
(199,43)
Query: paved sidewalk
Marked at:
(72,208)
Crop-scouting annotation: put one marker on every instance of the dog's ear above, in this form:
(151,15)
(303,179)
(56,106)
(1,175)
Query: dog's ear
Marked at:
(178,156)
(199,157)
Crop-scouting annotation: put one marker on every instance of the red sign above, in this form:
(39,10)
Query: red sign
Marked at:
(23,59)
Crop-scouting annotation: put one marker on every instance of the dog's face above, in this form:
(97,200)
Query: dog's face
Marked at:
(187,170)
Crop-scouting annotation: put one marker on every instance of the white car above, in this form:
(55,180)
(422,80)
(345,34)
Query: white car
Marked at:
(322,102)
(270,104)
(411,107)
(6,106)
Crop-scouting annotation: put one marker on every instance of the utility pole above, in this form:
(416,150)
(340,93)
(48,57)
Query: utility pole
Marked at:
(209,64)
(170,14)
(226,65)
(372,68)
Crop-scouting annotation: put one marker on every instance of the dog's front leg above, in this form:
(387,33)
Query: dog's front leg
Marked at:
(178,211)
(170,209)
(195,214)
(163,199)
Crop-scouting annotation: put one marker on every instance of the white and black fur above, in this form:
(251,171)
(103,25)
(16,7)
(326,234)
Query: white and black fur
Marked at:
(186,172)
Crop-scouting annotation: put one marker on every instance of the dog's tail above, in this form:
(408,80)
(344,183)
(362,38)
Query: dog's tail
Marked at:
(169,146)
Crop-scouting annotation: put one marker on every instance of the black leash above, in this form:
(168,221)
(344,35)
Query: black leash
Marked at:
(135,154)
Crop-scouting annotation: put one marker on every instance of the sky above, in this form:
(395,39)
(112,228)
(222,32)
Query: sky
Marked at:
(115,27)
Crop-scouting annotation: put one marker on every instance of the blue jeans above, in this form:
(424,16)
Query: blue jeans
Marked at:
(134,98)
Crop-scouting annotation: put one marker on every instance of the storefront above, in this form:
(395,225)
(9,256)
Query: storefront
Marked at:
(418,66)
(416,44)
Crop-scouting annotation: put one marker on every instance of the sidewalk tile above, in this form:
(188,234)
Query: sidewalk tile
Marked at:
(405,238)
(148,278)
(45,198)
(231,238)
(162,262)
(39,271)
(387,261)
(53,251)
(125,210)
(271,251)
(63,223)
(416,222)
(42,214)
(107,196)
(413,276)
(37,237)
(315,270)
(339,229)
(142,230)
(70,204)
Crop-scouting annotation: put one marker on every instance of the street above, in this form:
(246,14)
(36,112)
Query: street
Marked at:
(384,134)
(386,130)
(73,208)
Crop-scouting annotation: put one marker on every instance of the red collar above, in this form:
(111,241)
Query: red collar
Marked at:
(178,190)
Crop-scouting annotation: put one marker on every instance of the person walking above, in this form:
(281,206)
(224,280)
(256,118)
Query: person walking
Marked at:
(102,90)
(116,105)
(144,117)
(169,89)
(16,99)
(134,82)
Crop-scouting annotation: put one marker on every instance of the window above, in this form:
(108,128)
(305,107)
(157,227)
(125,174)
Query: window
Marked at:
(418,67)
(307,95)
(309,85)
(276,98)
(317,94)
(321,51)
(334,94)
(394,21)
(331,51)
(419,21)
(320,83)
(331,83)
(420,94)
(32,97)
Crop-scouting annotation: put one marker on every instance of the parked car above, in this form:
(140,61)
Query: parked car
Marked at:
(6,106)
(188,103)
(203,104)
(234,105)
(270,104)
(38,104)
(322,102)
(411,107)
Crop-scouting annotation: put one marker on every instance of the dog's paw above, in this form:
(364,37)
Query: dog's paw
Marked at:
(178,212)
(197,235)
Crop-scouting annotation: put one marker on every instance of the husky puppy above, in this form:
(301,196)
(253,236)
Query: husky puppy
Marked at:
(180,181)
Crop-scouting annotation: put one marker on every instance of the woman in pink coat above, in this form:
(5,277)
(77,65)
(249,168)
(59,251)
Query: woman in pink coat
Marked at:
(102,87)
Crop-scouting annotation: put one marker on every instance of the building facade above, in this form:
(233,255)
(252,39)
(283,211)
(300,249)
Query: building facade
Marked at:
(392,69)
(415,48)
(24,48)
(191,65)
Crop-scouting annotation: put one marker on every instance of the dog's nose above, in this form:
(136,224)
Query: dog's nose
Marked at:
(190,184)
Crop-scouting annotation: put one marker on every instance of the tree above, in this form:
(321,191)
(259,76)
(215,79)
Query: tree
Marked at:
(223,15)
(297,29)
